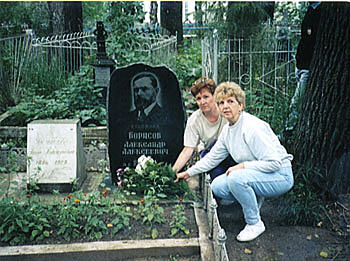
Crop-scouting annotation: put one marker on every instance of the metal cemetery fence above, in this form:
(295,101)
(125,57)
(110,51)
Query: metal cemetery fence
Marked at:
(15,51)
(69,51)
(264,67)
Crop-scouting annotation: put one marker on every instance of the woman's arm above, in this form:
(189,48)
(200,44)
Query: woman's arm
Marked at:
(215,156)
(183,158)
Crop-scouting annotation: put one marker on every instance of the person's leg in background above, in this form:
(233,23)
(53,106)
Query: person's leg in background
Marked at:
(301,76)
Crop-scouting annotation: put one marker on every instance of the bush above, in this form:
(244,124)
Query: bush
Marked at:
(151,176)
(78,98)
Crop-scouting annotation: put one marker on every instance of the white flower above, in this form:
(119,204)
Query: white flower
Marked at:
(141,159)
(150,160)
(142,163)
(138,169)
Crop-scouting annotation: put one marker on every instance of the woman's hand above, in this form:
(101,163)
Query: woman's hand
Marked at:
(182,175)
(235,167)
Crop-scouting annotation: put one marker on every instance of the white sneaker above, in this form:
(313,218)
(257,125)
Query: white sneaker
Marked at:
(251,232)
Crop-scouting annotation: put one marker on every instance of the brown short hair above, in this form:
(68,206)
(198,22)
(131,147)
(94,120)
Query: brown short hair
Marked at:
(201,83)
(229,89)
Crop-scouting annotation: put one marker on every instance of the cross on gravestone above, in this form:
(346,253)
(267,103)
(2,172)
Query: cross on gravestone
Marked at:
(103,65)
(146,116)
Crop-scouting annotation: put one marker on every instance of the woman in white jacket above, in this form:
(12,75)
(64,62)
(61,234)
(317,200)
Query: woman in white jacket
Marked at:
(264,166)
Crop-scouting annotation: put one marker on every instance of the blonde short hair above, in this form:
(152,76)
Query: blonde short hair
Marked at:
(229,89)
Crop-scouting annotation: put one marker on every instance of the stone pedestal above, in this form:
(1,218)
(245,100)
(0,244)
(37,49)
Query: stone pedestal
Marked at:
(55,152)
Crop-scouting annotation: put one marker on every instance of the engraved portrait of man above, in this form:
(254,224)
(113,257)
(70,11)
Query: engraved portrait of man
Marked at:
(145,98)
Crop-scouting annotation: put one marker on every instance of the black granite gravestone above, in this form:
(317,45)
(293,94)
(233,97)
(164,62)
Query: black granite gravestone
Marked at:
(146,116)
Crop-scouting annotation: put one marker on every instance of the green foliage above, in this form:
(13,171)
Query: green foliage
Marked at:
(22,221)
(14,14)
(189,63)
(290,12)
(92,216)
(150,213)
(189,69)
(89,215)
(123,16)
(94,11)
(10,168)
(304,203)
(178,223)
(78,98)
(151,176)
(122,214)
(42,78)
(269,106)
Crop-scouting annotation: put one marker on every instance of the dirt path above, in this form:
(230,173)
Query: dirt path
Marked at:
(282,243)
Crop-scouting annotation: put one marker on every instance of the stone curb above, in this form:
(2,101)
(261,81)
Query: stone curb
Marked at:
(107,251)
(206,245)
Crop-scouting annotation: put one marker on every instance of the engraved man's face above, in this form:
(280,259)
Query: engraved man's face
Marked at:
(144,92)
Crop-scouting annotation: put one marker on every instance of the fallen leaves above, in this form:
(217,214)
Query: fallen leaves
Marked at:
(309,237)
(248,251)
(324,254)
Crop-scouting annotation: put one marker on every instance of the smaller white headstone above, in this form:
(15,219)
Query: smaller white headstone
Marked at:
(55,152)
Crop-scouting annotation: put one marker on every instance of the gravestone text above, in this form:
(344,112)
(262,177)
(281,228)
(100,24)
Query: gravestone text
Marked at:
(146,115)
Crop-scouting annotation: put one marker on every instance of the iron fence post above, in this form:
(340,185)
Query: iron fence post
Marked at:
(213,206)
(4,152)
(221,243)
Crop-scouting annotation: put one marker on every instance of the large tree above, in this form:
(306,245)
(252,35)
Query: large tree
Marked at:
(65,17)
(243,19)
(171,18)
(323,130)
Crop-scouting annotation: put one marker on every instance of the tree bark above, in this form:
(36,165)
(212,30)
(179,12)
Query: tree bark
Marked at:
(323,129)
(154,12)
(65,17)
(73,17)
(171,18)
(56,23)
(198,13)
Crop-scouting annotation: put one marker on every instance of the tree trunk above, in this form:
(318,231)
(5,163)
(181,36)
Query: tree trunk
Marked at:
(73,17)
(154,12)
(198,17)
(171,18)
(323,129)
(65,17)
(56,23)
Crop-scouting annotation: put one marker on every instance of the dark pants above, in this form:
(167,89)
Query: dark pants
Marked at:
(222,167)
